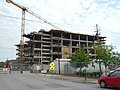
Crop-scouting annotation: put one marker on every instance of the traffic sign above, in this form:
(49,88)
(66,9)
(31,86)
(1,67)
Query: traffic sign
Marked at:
(52,64)
(52,68)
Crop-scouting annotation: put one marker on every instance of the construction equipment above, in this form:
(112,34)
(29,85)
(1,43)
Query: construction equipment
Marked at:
(32,13)
(23,25)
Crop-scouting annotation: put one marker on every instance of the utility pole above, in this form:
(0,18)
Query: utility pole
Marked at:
(98,43)
(97,34)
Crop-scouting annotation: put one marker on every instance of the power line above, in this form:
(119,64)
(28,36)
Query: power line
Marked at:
(70,26)
(86,26)
(19,18)
(7,48)
(77,27)
(111,32)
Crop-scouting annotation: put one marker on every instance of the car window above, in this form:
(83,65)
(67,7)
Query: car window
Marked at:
(116,73)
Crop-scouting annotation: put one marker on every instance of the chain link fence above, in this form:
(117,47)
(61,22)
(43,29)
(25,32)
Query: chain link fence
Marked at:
(78,69)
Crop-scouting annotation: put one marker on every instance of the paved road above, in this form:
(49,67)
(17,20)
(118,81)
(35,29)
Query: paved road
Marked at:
(36,82)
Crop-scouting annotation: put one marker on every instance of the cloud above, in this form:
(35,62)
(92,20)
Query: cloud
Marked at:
(73,15)
(0,4)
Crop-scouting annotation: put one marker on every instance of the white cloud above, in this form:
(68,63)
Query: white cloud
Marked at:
(0,4)
(67,14)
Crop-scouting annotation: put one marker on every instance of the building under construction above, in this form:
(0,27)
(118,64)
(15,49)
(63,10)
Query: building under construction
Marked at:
(45,46)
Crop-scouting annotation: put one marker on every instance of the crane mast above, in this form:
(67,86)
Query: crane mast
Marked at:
(22,30)
(22,38)
(23,25)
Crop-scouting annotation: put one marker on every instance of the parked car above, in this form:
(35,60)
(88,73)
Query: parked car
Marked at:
(110,80)
(4,70)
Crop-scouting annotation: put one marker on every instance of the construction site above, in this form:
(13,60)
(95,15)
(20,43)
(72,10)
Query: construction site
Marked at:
(45,46)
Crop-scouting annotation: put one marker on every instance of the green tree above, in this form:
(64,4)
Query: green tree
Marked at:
(2,64)
(115,59)
(104,55)
(80,58)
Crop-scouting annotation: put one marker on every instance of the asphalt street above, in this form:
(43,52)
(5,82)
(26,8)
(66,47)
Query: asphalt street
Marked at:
(37,82)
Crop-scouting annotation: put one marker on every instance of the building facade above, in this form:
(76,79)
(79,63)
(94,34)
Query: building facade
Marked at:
(45,46)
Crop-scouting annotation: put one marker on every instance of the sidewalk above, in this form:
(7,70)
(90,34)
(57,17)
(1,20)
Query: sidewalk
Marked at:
(71,78)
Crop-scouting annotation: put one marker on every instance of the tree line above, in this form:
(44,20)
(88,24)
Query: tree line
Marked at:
(104,54)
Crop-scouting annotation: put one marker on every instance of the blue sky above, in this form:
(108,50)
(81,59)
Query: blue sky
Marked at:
(79,16)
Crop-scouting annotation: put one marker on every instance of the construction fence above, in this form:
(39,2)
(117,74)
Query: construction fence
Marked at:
(77,68)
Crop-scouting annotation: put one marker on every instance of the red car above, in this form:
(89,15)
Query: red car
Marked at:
(111,80)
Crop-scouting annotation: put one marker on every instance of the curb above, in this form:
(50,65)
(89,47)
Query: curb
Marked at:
(75,80)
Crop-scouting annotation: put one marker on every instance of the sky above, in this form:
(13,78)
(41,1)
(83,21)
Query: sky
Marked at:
(79,16)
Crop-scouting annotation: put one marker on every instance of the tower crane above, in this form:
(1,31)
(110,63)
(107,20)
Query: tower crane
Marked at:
(24,9)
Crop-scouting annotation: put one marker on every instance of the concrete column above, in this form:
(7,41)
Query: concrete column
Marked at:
(41,48)
(87,43)
(51,51)
(70,46)
(33,52)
